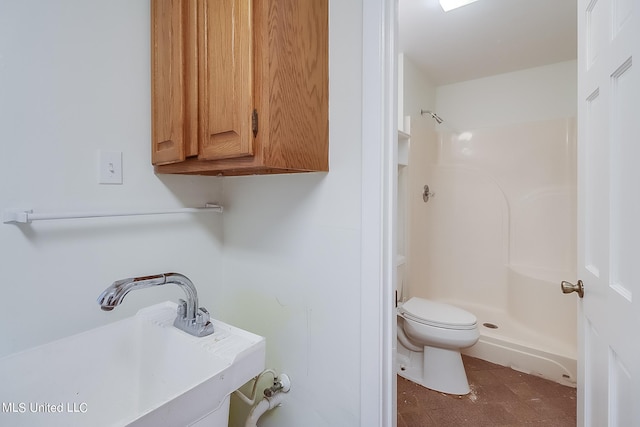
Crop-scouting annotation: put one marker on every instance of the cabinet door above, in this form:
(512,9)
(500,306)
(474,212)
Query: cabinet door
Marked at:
(174,80)
(292,75)
(225,67)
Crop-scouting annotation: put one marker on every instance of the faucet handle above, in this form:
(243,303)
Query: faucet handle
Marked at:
(200,326)
(182,308)
(202,317)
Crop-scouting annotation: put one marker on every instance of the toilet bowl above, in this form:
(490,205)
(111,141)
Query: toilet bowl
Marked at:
(440,331)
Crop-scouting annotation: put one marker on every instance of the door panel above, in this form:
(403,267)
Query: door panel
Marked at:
(621,389)
(595,356)
(609,209)
(169,21)
(596,185)
(226,78)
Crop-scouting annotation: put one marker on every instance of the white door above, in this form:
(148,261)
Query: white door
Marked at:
(609,212)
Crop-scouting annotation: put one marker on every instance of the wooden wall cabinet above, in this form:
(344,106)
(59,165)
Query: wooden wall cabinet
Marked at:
(239,86)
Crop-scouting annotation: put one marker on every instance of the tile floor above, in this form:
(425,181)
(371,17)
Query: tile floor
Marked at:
(499,397)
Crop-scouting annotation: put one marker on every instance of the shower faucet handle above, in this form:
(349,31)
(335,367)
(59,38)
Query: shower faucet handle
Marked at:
(427,194)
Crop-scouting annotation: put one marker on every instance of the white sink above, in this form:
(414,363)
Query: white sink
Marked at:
(140,371)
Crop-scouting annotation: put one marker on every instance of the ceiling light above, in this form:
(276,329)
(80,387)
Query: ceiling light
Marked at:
(448,5)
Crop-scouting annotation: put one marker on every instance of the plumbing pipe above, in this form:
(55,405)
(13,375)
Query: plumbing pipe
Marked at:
(266,404)
(251,400)
(281,383)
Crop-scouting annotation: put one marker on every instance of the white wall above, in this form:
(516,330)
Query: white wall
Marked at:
(292,256)
(74,78)
(541,93)
(418,94)
(283,260)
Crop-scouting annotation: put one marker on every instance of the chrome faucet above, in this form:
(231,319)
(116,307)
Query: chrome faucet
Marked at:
(191,318)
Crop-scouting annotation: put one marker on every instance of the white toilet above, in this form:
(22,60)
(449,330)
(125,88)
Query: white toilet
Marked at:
(438,330)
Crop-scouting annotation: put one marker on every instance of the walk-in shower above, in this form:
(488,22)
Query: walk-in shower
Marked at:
(500,237)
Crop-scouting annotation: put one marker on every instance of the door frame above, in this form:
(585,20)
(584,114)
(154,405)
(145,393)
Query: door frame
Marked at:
(379,131)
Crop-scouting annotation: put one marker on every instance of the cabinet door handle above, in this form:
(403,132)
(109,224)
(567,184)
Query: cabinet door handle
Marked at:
(254,123)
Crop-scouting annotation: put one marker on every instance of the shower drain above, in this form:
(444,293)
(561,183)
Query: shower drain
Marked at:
(490,325)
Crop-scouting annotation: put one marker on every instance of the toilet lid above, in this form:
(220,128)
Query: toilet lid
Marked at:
(437,314)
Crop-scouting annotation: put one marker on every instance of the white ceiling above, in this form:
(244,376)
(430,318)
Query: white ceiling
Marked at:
(487,37)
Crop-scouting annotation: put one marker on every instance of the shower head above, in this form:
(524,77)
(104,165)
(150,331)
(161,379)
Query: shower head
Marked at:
(433,115)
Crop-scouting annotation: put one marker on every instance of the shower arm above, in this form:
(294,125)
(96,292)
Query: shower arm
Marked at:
(433,115)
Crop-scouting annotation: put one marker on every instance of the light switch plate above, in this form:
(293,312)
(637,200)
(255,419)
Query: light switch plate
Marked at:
(109,167)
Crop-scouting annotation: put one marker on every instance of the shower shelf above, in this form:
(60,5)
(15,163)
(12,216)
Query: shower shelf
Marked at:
(403,135)
(403,148)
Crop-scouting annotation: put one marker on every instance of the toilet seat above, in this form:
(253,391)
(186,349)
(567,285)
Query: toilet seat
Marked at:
(437,314)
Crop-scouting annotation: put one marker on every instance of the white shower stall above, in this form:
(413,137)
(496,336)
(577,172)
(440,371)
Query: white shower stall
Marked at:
(499,235)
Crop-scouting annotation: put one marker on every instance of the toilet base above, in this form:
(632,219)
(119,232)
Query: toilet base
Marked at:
(443,371)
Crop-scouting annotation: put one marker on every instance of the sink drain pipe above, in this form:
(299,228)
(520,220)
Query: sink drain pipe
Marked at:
(273,396)
(266,404)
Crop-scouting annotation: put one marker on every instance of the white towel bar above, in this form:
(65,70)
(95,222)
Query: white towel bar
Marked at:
(21,216)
